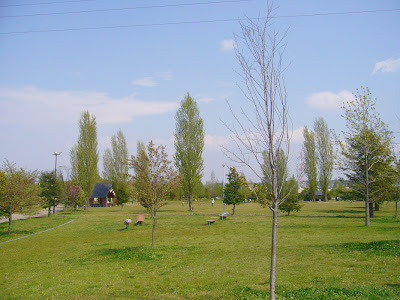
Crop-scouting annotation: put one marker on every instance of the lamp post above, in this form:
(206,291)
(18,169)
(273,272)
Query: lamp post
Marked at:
(55,165)
(223,190)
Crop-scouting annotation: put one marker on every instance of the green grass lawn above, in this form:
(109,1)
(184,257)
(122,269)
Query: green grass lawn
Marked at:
(324,252)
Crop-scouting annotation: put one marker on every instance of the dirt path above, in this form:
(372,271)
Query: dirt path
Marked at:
(40,213)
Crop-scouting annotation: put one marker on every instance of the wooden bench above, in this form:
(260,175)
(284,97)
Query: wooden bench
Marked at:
(223,215)
(140,219)
(209,222)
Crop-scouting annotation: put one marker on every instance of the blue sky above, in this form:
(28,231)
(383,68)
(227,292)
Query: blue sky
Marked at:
(132,69)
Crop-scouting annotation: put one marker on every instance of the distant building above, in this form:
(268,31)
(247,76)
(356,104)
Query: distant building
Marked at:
(103,195)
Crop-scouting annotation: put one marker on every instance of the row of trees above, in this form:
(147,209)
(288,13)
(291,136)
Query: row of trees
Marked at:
(318,157)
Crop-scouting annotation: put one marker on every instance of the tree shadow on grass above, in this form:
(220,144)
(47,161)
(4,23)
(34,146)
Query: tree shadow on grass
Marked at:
(344,211)
(14,234)
(380,248)
(130,253)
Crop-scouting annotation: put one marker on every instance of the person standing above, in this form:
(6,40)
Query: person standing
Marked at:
(212,202)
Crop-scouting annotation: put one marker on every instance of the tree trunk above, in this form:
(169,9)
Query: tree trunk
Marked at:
(153,236)
(190,201)
(367,216)
(49,213)
(9,222)
(288,213)
(273,253)
(54,209)
(371,209)
(377,206)
(395,214)
(233,210)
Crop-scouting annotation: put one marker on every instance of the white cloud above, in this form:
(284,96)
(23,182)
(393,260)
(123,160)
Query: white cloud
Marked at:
(227,45)
(146,81)
(215,142)
(297,136)
(164,75)
(389,65)
(328,100)
(205,99)
(32,102)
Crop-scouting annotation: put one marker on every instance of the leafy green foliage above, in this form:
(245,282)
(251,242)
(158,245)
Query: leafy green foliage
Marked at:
(325,156)
(189,147)
(20,193)
(115,162)
(233,192)
(292,203)
(310,163)
(367,159)
(84,155)
(52,188)
(154,178)
(281,175)
(75,196)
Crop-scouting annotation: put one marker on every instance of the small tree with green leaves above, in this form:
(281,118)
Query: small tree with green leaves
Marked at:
(292,203)
(75,195)
(233,192)
(52,189)
(20,193)
(154,179)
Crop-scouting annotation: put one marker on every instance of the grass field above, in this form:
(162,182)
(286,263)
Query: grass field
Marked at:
(324,252)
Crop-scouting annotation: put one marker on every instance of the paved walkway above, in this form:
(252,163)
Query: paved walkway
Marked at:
(42,212)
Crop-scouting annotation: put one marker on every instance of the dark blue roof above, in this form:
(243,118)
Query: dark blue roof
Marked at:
(101,190)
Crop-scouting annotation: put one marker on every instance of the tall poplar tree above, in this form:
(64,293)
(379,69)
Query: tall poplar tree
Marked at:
(310,161)
(115,163)
(84,155)
(324,154)
(189,147)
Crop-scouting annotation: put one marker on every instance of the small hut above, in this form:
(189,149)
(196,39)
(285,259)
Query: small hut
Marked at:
(103,195)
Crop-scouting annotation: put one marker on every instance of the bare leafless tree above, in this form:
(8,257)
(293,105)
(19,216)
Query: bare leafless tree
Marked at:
(262,127)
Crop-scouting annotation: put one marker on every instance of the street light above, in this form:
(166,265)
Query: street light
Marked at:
(55,166)
(223,190)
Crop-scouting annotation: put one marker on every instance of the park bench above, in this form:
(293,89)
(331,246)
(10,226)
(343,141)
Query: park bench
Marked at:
(140,219)
(209,222)
(223,215)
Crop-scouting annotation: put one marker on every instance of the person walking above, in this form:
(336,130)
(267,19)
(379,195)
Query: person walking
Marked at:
(212,202)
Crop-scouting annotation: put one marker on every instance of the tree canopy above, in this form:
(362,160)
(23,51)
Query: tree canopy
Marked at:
(310,161)
(20,193)
(84,155)
(115,162)
(233,191)
(189,147)
(154,178)
(367,159)
(325,156)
